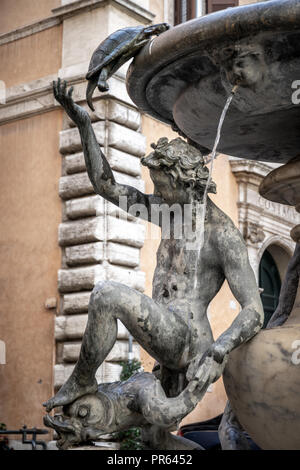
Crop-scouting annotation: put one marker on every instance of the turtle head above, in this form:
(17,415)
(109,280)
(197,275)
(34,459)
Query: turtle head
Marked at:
(156,29)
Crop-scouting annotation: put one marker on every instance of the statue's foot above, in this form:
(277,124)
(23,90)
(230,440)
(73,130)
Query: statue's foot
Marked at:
(69,392)
(103,86)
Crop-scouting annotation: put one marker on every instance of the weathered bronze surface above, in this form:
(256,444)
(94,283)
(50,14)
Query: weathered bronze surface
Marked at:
(186,74)
(114,51)
(139,401)
(173,325)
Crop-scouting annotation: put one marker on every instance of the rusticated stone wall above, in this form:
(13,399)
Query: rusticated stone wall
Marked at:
(97,242)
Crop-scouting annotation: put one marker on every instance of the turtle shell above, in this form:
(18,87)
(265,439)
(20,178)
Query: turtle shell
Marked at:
(113,46)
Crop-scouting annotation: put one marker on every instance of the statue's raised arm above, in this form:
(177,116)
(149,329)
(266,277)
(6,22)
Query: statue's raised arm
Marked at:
(98,168)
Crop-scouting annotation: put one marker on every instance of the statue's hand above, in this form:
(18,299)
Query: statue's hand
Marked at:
(64,97)
(206,369)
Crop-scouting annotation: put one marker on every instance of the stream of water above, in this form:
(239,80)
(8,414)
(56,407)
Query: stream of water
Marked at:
(201,208)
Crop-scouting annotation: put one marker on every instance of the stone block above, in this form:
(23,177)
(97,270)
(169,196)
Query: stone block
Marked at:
(74,163)
(71,327)
(119,161)
(75,303)
(98,115)
(81,231)
(107,372)
(75,186)
(90,253)
(129,277)
(126,140)
(70,142)
(124,162)
(79,184)
(124,115)
(88,206)
(125,232)
(78,279)
(119,137)
(123,255)
(118,353)
(62,373)
(129,180)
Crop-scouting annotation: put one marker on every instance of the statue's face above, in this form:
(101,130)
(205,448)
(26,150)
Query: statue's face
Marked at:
(165,186)
(247,68)
(170,190)
(85,419)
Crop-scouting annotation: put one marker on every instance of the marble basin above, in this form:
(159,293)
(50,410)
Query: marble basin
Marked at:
(262,379)
(184,76)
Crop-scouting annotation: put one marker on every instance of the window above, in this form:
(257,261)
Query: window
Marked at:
(185,10)
(269,281)
(217,5)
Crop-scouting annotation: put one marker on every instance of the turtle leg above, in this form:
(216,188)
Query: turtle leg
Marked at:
(102,80)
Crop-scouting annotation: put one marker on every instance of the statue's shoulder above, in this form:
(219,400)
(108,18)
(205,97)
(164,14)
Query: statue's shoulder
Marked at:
(219,218)
(223,227)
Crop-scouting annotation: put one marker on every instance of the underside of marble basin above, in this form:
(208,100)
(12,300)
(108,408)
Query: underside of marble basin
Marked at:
(184,76)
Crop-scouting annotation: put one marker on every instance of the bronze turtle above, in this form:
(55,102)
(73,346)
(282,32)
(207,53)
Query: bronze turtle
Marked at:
(114,51)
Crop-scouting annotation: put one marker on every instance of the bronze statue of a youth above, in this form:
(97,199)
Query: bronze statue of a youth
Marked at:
(172,326)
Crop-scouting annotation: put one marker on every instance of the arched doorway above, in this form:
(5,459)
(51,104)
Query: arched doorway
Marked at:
(270,282)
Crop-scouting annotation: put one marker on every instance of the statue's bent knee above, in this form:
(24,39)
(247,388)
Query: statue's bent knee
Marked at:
(105,294)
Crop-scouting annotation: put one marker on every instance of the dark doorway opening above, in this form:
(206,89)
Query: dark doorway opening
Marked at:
(269,281)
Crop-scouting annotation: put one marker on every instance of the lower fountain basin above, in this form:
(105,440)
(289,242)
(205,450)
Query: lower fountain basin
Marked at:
(282,185)
(184,76)
(262,381)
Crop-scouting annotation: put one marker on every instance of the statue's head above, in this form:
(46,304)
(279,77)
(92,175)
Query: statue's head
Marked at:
(245,65)
(84,420)
(176,166)
(155,29)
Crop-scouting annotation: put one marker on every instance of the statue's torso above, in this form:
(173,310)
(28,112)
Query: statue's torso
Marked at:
(175,287)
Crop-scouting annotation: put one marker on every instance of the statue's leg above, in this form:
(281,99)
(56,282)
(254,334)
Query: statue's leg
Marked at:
(161,332)
(231,433)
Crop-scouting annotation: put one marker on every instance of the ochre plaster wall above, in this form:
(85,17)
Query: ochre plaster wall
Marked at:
(157,7)
(247,2)
(29,260)
(17,13)
(32,57)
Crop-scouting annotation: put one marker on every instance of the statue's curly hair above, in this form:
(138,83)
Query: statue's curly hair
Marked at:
(180,160)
